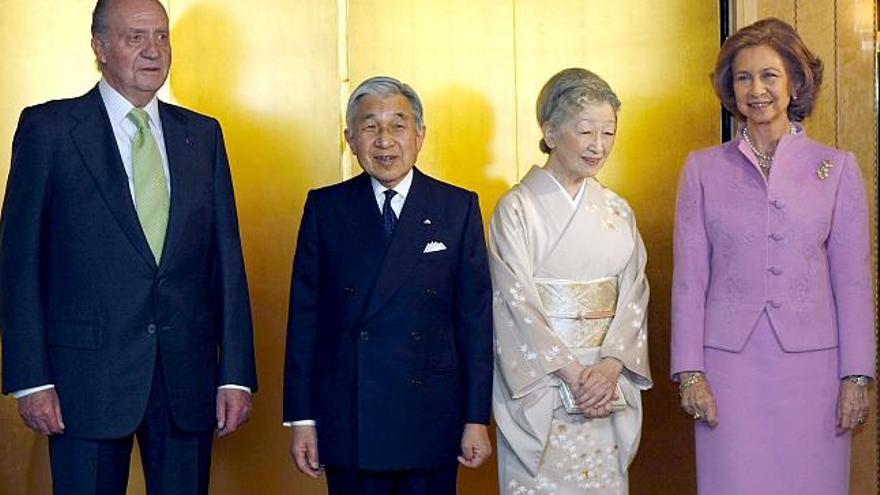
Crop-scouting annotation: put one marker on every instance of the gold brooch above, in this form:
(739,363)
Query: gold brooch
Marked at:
(824,169)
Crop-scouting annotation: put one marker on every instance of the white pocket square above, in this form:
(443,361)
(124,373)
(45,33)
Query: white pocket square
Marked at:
(434,246)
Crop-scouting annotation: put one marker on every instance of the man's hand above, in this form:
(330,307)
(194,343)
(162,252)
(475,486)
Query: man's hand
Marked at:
(304,450)
(233,410)
(475,446)
(41,412)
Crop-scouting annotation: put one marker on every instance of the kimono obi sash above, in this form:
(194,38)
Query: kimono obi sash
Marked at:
(579,313)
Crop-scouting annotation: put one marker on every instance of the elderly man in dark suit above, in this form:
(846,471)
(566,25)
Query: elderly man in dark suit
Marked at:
(123,299)
(389,347)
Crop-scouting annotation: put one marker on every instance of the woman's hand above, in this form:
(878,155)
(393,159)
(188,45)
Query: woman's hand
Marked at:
(571,375)
(697,399)
(598,384)
(852,405)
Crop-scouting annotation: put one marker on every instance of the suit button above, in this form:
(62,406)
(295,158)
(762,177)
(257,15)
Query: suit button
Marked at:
(416,336)
(775,270)
(431,292)
(349,291)
(151,328)
(778,204)
(365,335)
(774,304)
(776,236)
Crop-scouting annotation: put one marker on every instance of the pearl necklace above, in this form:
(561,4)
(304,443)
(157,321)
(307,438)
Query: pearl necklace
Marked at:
(765,160)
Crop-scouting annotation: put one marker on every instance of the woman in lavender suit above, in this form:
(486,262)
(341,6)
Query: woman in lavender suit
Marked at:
(772,307)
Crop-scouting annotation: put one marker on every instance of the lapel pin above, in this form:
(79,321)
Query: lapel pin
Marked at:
(189,140)
(824,169)
(426,221)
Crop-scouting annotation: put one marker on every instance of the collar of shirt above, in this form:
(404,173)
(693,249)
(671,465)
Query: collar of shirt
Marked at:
(124,129)
(118,108)
(402,189)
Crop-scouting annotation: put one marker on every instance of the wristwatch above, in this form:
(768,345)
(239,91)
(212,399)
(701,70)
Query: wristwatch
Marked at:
(860,380)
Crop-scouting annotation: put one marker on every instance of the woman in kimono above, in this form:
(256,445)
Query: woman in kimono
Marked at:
(570,302)
(772,304)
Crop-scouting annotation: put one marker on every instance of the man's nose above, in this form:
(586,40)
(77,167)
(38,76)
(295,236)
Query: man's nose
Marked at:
(151,48)
(383,138)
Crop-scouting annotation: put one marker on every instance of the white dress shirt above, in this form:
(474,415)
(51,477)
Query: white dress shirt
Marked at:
(124,131)
(402,190)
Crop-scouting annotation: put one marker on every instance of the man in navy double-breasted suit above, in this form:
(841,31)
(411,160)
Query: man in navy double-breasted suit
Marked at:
(388,373)
(123,300)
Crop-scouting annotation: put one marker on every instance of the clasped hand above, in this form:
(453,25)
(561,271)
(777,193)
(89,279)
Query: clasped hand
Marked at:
(593,387)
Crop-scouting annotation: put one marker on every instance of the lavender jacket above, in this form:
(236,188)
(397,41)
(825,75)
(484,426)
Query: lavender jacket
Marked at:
(795,246)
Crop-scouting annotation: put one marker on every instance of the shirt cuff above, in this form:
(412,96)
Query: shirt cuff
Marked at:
(300,422)
(234,387)
(18,394)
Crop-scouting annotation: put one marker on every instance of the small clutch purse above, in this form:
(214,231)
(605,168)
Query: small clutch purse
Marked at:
(617,405)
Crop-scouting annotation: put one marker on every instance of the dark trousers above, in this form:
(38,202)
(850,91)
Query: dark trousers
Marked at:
(174,462)
(350,481)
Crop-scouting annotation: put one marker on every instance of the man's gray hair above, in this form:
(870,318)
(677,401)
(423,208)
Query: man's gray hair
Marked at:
(567,92)
(383,86)
(101,23)
(101,20)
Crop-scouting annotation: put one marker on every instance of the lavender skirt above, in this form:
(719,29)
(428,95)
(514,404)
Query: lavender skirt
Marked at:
(777,415)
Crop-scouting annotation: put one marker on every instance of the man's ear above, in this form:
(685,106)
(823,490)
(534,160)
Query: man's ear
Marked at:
(349,139)
(99,49)
(420,137)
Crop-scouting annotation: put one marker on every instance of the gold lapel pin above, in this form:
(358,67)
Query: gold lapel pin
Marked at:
(824,169)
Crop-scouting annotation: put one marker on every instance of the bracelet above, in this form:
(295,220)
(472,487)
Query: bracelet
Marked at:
(691,381)
(860,380)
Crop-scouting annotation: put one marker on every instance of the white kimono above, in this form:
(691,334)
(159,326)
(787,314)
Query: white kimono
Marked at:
(569,284)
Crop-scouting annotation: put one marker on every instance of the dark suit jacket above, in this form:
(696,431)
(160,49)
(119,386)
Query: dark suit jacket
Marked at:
(83,304)
(389,350)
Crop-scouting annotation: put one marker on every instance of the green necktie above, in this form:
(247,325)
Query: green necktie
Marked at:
(150,192)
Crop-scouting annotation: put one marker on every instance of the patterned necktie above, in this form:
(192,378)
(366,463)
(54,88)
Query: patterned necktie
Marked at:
(150,192)
(390,219)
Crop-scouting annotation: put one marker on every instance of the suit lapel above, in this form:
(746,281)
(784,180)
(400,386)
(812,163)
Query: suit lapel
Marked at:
(179,148)
(360,215)
(96,143)
(410,237)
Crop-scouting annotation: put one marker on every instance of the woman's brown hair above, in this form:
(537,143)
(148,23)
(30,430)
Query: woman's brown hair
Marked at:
(804,68)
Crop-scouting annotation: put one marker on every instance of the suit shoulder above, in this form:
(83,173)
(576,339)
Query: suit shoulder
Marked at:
(448,189)
(50,110)
(337,188)
(190,115)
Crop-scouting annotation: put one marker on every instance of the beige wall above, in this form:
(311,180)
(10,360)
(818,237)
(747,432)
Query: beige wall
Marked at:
(276,72)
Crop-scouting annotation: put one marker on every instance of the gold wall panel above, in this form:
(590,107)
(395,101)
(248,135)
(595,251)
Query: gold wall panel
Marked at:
(276,74)
(269,74)
(463,69)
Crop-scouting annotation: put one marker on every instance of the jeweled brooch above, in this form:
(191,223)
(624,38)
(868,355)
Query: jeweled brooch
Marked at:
(824,169)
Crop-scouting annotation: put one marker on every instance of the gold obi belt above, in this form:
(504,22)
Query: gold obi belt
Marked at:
(580,313)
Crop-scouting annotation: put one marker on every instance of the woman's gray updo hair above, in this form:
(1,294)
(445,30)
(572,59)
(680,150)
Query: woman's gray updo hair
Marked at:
(567,92)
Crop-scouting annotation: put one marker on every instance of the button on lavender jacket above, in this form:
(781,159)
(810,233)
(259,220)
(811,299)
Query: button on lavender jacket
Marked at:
(795,246)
